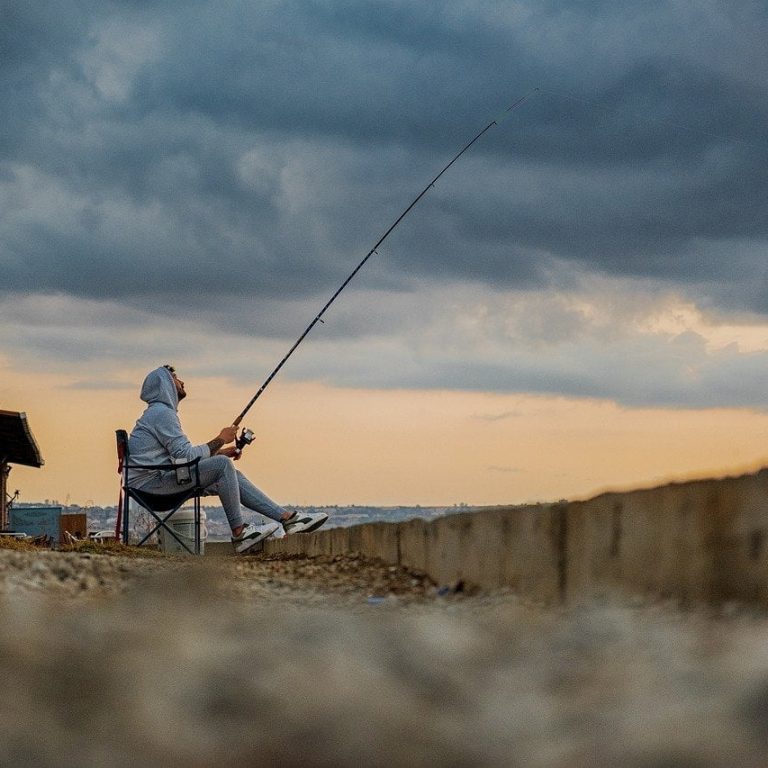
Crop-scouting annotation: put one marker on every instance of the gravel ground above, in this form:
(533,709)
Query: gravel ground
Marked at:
(109,660)
(84,575)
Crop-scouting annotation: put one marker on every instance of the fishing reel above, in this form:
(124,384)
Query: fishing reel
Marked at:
(246,437)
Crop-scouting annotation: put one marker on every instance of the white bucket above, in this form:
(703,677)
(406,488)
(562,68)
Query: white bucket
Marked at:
(182,522)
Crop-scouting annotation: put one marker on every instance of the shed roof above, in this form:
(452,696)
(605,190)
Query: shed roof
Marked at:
(17,446)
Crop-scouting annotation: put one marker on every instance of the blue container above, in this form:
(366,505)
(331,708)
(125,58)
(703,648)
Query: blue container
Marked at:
(37,521)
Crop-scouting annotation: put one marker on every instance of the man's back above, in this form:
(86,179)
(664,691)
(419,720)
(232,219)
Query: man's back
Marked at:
(157,436)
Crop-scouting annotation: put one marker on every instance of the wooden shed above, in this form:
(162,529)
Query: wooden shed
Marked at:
(17,446)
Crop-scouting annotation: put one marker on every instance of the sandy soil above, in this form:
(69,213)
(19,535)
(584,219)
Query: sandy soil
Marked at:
(110,660)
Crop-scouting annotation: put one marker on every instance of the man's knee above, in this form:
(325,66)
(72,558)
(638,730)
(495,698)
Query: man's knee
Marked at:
(220,466)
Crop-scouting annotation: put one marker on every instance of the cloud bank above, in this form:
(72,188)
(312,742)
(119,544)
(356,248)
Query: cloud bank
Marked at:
(217,169)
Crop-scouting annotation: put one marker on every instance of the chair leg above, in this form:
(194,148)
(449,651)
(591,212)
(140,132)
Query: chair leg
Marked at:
(126,509)
(162,523)
(198,542)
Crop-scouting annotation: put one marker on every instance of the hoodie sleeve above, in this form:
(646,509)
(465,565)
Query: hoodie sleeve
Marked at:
(156,439)
(169,434)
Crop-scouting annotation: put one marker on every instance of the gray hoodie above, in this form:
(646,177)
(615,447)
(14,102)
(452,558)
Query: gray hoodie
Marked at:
(157,437)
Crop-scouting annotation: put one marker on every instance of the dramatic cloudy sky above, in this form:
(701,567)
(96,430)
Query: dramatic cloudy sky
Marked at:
(191,181)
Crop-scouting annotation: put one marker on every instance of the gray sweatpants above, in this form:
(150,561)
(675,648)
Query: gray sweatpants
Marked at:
(220,478)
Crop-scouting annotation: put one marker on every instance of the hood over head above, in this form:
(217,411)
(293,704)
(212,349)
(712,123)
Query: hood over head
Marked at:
(159,387)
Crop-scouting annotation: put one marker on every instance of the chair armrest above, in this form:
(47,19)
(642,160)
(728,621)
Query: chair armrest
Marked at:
(130,465)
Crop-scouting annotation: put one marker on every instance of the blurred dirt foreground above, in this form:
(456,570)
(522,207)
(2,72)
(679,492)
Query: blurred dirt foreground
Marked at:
(111,660)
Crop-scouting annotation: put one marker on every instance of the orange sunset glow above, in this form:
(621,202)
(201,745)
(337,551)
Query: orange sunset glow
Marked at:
(322,445)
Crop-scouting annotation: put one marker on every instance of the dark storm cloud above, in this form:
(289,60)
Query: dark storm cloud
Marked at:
(639,144)
(236,158)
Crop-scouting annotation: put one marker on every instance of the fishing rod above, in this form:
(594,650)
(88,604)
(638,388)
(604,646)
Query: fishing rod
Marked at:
(246,436)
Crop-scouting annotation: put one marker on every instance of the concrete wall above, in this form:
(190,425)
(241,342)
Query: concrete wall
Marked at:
(697,542)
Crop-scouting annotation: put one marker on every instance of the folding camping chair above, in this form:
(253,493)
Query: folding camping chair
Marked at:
(188,477)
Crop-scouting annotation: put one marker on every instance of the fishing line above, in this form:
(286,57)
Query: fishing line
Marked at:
(646,118)
(247,436)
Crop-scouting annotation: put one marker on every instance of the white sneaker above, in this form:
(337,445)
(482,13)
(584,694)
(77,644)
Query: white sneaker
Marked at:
(304,522)
(252,535)
(278,533)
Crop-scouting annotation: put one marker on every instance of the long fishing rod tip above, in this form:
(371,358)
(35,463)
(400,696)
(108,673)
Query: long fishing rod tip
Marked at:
(514,105)
(431,185)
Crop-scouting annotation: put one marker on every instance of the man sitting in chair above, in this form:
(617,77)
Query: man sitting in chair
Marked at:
(158,438)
